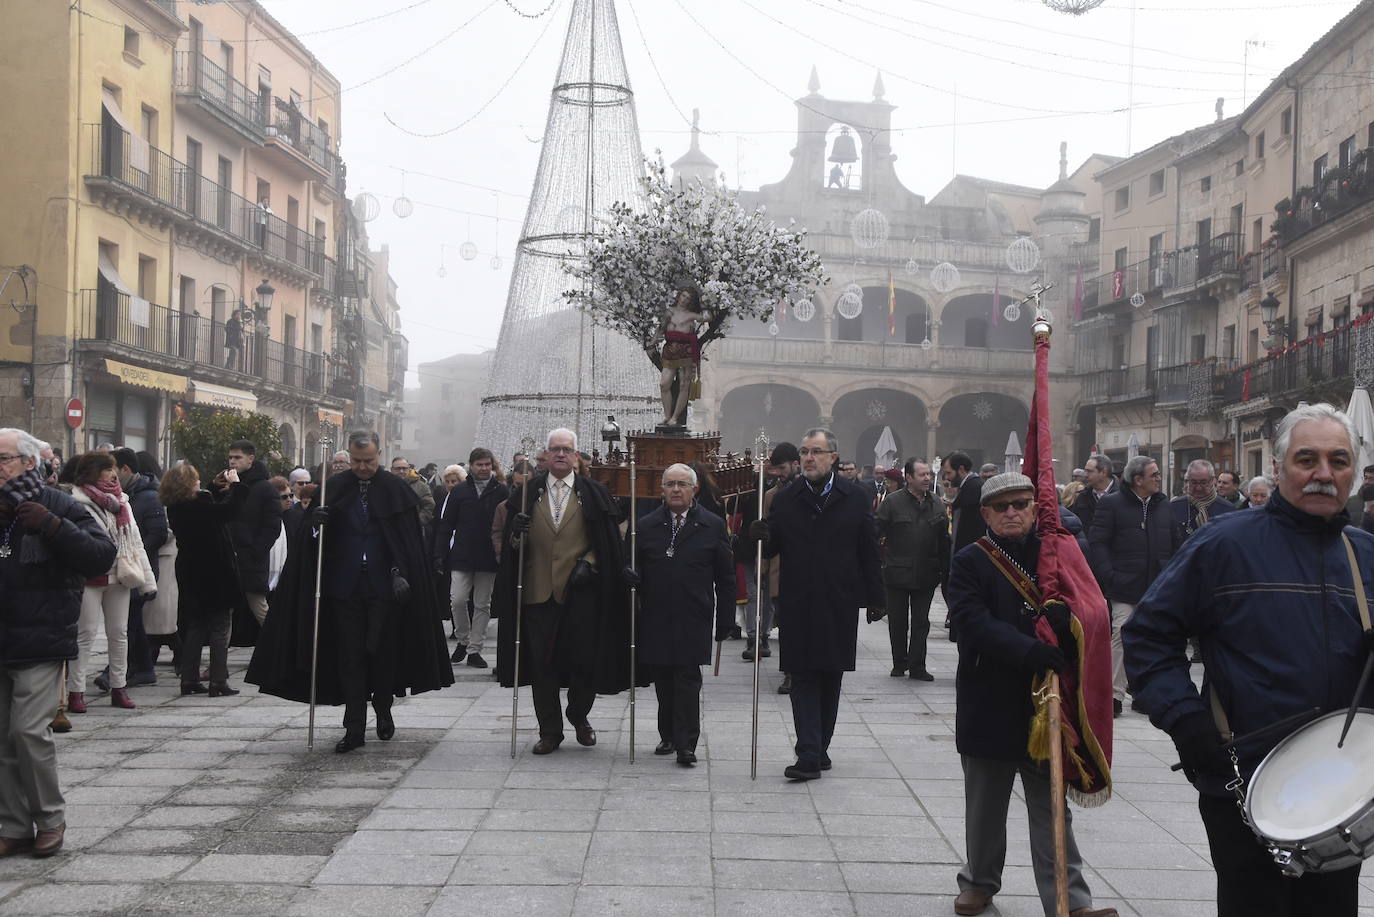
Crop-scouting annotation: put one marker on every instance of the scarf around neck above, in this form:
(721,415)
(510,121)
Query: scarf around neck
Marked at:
(1202,508)
(27,486)
(108,496)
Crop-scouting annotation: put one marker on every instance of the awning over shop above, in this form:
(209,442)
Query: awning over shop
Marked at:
(219,396)
(138,306)
(328,416)
(148,378)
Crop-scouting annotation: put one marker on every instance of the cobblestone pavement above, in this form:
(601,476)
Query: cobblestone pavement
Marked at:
(190,806)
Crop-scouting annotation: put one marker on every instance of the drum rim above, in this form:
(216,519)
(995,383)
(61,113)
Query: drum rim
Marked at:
(1301,844)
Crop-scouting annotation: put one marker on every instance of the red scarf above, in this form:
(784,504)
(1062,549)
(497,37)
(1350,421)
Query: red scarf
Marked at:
(109,496)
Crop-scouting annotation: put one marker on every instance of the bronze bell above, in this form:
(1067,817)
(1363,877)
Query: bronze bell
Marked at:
(843,150)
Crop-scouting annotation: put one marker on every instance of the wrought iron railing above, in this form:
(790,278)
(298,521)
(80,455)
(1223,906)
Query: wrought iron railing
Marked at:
(212,84)
(1116,384)
(108,315)
(304,135)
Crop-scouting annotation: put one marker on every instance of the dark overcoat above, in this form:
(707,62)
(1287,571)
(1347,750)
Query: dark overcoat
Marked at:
(916,546)
(204,570)
(1130,542)
(281,660)
(594,634)
(255,528)
(466,522)
(992,687)
(42,579)
(829,570)
(681,598)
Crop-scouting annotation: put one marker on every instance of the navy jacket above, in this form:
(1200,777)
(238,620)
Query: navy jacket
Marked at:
(1130,542)
(683,598)
(1085,506)
(829,570)
(1268,593)
(42,580)
(992,688)
(466,522)
(150,515)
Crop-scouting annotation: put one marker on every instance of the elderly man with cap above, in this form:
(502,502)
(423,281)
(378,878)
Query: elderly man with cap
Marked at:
(820,528)
(686,576)
(999,656)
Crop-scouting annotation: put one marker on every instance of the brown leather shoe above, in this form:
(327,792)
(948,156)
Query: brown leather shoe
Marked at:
(9,846)
(546,745)
(971,901)
(49,841)
(1094,912)
(586,735)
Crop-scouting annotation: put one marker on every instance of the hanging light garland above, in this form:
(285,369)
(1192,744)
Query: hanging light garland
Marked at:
(944,277)
(1073,7)
(1023,255)
(403,206)
(366,207)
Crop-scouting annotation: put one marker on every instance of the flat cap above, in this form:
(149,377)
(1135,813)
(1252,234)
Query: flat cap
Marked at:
(1003,483)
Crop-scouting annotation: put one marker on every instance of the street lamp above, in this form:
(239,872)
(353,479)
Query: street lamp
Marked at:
(1269,314)
(263,307)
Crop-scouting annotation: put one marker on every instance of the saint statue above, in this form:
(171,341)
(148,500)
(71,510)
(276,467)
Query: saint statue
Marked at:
(681,355)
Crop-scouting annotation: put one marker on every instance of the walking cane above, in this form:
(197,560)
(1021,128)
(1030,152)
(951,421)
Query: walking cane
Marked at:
(633,593)
(762,444)
(519,610)
(715,673)
(1057,802)
(325,444)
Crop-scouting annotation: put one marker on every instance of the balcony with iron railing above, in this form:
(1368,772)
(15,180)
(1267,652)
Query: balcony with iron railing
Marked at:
(1117,385)
(110,320)
(301,140)
(1117,286)
(1342,191)
(140,177)
(212,88)
(1199,266)
(871,355)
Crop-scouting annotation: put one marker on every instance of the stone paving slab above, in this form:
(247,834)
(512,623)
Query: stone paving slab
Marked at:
(192,806)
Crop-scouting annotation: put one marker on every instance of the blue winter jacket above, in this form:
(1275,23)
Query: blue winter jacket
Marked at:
(1268,593)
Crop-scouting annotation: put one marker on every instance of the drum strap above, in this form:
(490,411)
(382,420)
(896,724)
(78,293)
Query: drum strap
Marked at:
(1358,580)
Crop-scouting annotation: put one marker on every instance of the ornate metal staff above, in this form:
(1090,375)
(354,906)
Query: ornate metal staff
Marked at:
(633,594)
(325,445)
(527,444)
(761,449)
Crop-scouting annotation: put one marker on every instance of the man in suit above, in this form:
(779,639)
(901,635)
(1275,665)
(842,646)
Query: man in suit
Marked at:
(967,526)
(575,629)
(821,529)
(686,576)
(463,548)
(1098,480)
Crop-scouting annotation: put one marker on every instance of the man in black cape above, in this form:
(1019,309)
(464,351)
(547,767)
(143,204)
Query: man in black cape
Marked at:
(379,638)
(575,619)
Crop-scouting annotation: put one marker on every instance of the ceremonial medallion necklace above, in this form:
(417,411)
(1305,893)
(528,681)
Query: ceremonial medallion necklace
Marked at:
(1033,577)
(5,549)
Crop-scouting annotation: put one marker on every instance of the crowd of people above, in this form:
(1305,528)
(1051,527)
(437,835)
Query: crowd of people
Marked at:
(1250,580)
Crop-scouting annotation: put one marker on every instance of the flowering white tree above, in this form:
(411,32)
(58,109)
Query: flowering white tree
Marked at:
(742,263)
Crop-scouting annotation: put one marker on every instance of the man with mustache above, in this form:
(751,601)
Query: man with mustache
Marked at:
(1270,595)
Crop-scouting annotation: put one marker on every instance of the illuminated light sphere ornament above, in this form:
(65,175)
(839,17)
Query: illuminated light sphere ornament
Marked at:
(944,277)
(366,207)
(803,310)
(850,304)
(1023,256)
(773,328)
(403,207)
(869,229)
(912,267)
(496,262)
(927,343)
(468,250)
(1012,312)
(1073,7)
(1137,299)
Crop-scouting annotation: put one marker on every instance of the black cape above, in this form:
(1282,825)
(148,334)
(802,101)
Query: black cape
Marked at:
(281,661)
(594,635)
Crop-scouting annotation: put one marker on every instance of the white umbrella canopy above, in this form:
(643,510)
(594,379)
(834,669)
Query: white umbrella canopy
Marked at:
(1361,412)
(885,452)
(1013,453)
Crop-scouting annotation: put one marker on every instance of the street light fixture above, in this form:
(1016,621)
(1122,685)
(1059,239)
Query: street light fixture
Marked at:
(263,306)
(1269,314)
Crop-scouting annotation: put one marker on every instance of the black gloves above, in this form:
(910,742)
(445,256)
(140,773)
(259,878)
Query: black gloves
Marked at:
(1043,657)
(875,614)
(583,574)
(758,530)
(319,516)
(630,575)
(520,524)
(35,517)
(1199,746)
(1057,613)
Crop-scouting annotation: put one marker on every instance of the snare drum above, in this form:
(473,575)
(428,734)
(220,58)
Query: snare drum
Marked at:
(1312,803)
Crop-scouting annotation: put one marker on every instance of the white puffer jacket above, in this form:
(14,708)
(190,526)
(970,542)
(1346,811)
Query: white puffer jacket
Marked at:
(130,554)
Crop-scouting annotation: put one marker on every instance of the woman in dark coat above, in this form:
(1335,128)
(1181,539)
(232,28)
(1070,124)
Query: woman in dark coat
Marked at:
(205,576)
